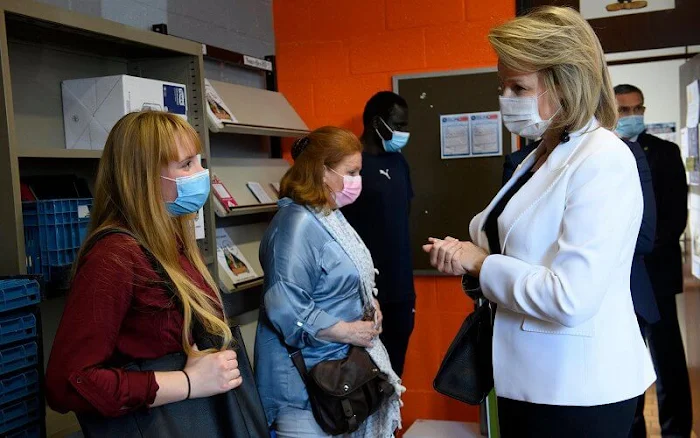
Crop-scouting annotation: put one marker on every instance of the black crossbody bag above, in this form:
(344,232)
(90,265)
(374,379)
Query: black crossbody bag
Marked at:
(342,392)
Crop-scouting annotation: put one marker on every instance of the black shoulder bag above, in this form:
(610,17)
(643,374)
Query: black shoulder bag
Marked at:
(236,413)
(466,372)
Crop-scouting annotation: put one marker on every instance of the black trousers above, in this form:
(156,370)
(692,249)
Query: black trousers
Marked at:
(528,420)
(672,383)
(399,319)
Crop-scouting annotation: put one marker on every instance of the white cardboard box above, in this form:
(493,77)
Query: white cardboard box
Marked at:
(92,106)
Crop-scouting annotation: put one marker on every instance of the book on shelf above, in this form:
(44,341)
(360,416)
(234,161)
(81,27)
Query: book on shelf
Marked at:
(234,268)
(222,194)
(220,209)
(218,113)
(276,187)
(259,193)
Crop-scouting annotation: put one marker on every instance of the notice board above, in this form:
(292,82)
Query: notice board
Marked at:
(448,192)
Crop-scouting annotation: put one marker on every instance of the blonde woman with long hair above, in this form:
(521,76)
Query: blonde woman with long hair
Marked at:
(554,248)
(150,183)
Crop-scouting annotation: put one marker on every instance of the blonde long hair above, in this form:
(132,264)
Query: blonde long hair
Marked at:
(128,195)
(560,44)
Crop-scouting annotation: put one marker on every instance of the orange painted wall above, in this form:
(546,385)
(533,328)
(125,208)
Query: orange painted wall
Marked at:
(332,55)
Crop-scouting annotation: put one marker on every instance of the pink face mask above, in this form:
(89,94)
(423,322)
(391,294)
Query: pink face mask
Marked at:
(352,187)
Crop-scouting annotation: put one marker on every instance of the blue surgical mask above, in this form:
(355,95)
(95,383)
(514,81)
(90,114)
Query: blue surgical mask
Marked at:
(630,126)
(397,141)
(192,193)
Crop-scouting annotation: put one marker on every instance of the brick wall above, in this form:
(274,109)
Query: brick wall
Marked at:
(332,56)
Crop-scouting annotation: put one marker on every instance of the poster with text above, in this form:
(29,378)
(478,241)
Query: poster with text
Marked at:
(692,96)
(695,233)
(485,134)
(666,131)
(454,136)
(471,135)
(592,9)
(693,162)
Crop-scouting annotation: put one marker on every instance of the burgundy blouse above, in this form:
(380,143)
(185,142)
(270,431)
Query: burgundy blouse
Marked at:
(114,313)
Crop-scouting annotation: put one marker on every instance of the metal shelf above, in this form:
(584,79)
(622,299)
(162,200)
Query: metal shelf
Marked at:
(70,45)
(58,153)
(248,210)
(235,128)
(45,24)
(249,285)
(258,112)
(243,299)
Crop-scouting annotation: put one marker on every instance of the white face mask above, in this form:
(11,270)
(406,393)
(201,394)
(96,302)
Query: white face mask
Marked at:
(522,117)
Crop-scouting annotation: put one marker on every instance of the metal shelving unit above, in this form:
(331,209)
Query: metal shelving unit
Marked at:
(249,210)
(57,153)
(265,115)
(40,46)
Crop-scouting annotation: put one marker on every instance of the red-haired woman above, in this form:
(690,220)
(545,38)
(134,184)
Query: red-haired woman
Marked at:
(319,284)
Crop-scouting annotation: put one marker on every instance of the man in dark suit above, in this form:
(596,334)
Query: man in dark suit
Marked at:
(664,265)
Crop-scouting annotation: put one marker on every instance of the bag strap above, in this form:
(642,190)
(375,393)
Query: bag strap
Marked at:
(298,361)
(349,414)
(300,365)
(199,333)
(152,260)
(294,353)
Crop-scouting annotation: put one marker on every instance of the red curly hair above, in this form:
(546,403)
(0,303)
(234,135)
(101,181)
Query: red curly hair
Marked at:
(323,147)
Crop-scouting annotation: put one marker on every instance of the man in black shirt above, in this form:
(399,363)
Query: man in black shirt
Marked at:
(665,267)
(380,216)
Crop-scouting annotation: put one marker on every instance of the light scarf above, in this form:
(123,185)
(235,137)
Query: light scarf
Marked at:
(387,419)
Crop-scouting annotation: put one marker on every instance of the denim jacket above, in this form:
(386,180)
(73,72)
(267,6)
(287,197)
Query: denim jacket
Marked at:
(310,285)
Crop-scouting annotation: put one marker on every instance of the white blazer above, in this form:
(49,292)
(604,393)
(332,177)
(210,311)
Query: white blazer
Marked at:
(566,332)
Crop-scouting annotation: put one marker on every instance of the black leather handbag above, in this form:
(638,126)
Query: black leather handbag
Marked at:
(237,413)
(466,372)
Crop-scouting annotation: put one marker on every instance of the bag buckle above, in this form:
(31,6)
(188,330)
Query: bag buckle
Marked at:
(351,417)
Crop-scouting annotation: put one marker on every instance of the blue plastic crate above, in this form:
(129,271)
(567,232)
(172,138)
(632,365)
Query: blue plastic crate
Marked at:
(29,431)
(18,386)
(15,294)
(19,357)
(53,232)
(17,327)
(18,415)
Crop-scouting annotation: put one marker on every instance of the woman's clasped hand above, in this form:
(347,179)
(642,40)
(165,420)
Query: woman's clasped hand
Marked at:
(454,257)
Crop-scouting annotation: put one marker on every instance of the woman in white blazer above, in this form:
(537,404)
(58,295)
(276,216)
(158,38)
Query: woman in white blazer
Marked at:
(553,250)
